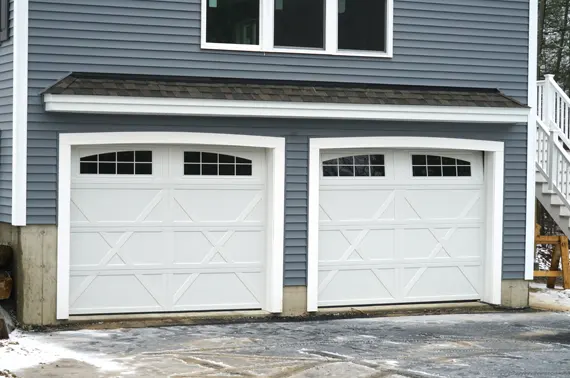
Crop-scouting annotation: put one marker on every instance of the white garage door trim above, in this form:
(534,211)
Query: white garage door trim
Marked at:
(493,183)
(275,148)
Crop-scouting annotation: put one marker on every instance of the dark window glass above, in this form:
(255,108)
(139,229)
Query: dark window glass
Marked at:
(212,164)
(362,160)
(107,168)
(299,23)
(438,166)
(208,157)
(346,170)
(143,156)
(192,169)
(355,166)
(464,171)
(143,169)
(126,156)
(111,156)
(126,168)
(121,163)
(377,159)
(227,169)
(348,160)
(448,161)
(243,170)
(419,160)
(88,168)
(329,171)
(227,159)
(362,25)
(232,21)
(420,171)
(191,157)
(450,171)
(377,171)
(434,170)
(89,158)
(363,170)
(434,160)
(209,169)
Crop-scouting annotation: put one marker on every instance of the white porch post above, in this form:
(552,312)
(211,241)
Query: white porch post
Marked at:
(548,113)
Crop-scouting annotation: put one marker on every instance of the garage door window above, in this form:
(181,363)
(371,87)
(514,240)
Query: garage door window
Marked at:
(355,166)
(439,166)
(211,164)
(117,163)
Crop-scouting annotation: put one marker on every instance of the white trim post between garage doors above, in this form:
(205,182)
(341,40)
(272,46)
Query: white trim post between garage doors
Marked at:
(275,154)
(493,187)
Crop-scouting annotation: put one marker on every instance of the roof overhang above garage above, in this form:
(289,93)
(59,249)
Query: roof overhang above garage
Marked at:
(150,95)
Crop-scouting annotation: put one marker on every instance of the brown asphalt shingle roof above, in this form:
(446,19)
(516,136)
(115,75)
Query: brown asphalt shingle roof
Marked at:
(284,91)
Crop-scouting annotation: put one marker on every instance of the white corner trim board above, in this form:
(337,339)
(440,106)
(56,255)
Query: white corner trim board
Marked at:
(275,148)
(493,179)
(531,138)
(235,108)
(20,112)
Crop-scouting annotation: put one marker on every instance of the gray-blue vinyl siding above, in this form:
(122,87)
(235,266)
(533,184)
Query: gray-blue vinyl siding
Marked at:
(6,68)
(43,177)
(454,43)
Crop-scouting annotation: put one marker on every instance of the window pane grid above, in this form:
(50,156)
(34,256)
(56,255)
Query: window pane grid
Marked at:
(355,166)
(212,164)
(439,166)
(117,163)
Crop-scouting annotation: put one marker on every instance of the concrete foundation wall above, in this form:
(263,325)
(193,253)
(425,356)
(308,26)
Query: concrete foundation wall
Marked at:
(515,294)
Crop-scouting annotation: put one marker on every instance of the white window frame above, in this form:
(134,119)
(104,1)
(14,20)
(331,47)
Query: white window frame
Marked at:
(266,28)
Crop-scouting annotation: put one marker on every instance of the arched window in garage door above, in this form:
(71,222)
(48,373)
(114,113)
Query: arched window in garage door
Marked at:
(117,163)
(370,165)
(198,163)
(439,166)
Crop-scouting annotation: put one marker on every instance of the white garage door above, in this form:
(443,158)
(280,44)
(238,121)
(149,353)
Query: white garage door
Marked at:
(167,229)
(400,227)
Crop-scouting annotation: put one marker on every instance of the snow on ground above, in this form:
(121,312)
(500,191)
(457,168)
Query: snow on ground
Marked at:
(25,349)
(549,299)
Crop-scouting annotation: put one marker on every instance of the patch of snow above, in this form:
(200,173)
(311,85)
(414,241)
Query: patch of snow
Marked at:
(26,350)
(541,295)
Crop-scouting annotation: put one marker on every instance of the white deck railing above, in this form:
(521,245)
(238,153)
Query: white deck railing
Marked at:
(553,137)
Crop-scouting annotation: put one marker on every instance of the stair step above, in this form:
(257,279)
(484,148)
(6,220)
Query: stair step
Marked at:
(540,178)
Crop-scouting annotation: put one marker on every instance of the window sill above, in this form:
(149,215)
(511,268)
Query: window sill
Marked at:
(282,50)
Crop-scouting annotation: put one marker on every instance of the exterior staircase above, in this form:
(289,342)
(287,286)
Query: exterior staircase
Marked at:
(553,151)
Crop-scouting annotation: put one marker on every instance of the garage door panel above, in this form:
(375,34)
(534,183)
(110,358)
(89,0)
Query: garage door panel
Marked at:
(368,286)
(414,234)
(100,293)
(431,283)
(443,204)
(346,204)
(240,289)
(166,241)
(119,205)
(219,205)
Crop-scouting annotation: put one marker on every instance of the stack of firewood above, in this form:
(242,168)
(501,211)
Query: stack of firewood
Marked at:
(6,254)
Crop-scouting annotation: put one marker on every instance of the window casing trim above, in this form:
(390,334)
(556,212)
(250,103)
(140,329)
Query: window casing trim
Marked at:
(266,28)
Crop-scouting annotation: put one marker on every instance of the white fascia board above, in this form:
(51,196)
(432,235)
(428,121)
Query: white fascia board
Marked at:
(271,109)
(20,112)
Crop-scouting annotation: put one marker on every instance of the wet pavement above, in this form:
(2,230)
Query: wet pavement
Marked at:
(480,345)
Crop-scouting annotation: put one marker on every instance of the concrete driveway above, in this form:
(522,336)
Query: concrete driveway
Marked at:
(484,345)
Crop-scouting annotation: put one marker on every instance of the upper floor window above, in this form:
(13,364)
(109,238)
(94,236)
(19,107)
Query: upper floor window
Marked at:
(336,27)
